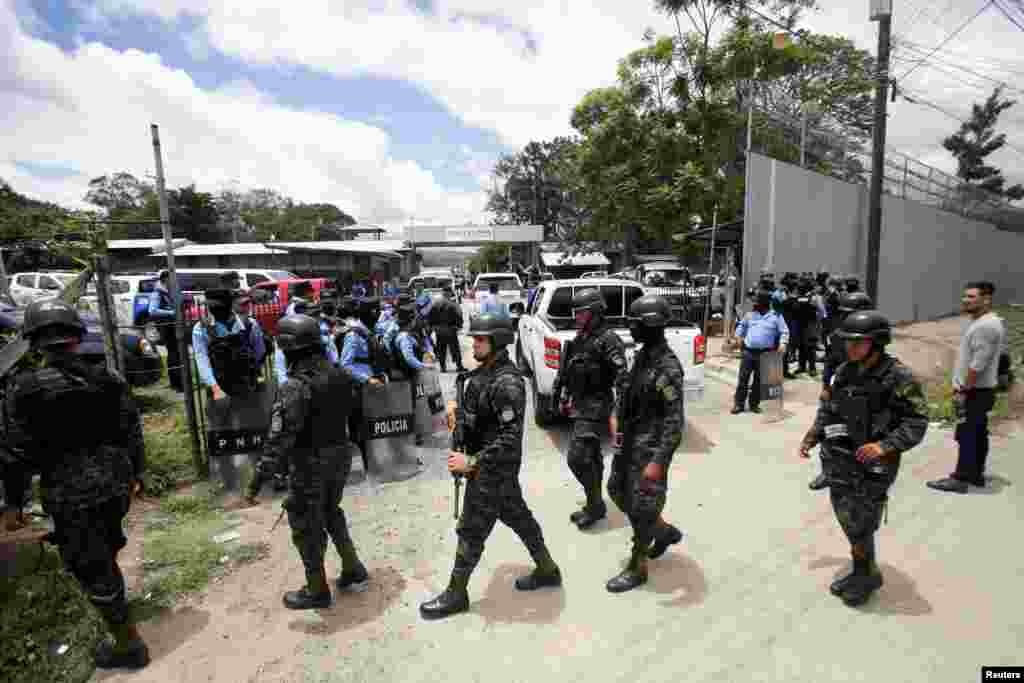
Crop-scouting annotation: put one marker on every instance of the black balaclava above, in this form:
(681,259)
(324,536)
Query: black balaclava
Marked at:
(645,334)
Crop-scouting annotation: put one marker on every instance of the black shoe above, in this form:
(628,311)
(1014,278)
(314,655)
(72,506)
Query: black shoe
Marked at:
(538,579)
(303,599)
(837,587)
(280,483)
(736,410)
(577,516)
(352,578)
(446,604)
(948,484)
(444,369)
(813,373)
(626,581)
(819,482)
(591,516)
(418,440)
(755,409)
(860,589)
(132,654)
(671,536)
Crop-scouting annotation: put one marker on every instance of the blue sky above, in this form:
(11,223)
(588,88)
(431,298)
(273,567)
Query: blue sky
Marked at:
(395,110)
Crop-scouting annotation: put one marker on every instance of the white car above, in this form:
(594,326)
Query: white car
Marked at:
(123,289)
(510,291)
(549,324)
(28,287)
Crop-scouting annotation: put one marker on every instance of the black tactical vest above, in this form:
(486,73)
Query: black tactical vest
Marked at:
(586,371)
(232,360)
(481,418)
(332,396)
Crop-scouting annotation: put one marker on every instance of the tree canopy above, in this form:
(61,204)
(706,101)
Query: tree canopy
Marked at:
(975,140)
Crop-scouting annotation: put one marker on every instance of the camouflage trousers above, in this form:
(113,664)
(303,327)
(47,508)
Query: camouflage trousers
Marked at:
(642,501)
(859,509)
(585,458)
(314,507)
(493,496)
(89,539)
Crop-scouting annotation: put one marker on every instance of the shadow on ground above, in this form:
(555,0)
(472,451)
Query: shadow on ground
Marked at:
(898,596)
(502,602)
(351,609)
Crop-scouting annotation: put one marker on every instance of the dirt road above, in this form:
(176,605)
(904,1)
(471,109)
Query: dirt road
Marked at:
(744,598)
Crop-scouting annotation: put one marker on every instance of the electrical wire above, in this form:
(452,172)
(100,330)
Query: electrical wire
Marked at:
(960,79)
(1008,15)
(982,60)
(915,98)
(949,37)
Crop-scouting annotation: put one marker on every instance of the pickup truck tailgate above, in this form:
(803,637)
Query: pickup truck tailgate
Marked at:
(681,341)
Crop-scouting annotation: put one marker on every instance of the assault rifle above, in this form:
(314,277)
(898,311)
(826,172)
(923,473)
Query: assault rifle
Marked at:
(459,433)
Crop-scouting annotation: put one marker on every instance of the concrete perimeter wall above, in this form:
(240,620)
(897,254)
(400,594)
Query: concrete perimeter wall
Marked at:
(799,220)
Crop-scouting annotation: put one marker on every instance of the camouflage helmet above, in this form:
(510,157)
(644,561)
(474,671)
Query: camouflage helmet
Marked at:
(588,299)
(298,331)
(650,310)
(866,325)
(497,327)
(52,322)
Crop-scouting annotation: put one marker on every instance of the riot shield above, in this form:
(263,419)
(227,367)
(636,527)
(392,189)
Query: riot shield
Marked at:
(771,386)
(389,430)
(236,426)
(11,353)
(428,405)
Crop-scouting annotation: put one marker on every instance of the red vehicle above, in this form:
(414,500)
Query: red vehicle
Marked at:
(270,301)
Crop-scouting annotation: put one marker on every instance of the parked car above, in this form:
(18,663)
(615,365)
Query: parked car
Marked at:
(549,324)
(143,365)
(123,289)
(510,291)
(28,287)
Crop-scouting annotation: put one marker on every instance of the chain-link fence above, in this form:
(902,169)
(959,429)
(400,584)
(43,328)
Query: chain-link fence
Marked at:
(848,158)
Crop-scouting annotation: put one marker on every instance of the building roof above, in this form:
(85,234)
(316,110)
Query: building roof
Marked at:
(152,245)
(228,249)
(388,248)
(559,258)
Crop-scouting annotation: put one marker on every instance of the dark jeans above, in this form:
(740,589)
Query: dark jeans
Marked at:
(808,348)
(972,435)
(448,343)
(750,365)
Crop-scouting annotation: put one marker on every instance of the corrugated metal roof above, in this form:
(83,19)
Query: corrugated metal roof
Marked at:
(560,259)
(144,244)
(229,249)
(376,247)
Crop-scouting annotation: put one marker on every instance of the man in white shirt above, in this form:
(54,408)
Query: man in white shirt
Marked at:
(974,381)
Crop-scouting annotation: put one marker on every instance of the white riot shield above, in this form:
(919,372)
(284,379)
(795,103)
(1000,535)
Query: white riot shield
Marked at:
(389,429)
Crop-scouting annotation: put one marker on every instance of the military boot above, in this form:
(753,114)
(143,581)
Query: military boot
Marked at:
(666,536)
(837,587)
(864,581)
(547,573)
(578,515)
(316,594)
(591,515)
(453,600)
(127,651)
(819,482)
(635,573)
(351,578)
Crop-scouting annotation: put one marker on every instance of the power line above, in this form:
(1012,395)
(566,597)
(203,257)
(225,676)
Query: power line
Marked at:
(1008,15)
(950,36)
(1003,83)
(955,54)
(917,99)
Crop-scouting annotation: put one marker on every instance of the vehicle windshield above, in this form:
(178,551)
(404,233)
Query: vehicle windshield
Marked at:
(282,275)
(671,276)
(505,284)
(430,282)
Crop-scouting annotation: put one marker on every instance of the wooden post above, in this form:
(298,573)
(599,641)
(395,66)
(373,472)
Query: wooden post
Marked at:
(108,316)
(4,290)
(198,461)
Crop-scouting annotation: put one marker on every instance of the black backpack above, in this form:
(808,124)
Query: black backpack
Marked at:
(380,360)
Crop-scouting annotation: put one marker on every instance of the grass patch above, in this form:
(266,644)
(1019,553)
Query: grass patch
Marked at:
(181,555)
(168,442)
(43,610)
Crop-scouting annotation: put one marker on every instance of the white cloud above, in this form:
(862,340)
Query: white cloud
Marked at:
(483,71)
(91,110)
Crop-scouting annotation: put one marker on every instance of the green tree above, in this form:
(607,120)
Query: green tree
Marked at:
(119,194)
(536,187)
(975,141)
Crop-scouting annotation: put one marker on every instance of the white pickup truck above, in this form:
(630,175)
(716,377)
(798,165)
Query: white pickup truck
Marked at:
(548,324)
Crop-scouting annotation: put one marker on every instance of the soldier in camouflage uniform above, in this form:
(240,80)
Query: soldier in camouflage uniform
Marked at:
(494,407)
(836,356)
(309,427)
(90,464)
(875,411)
(652,421)
(594,364)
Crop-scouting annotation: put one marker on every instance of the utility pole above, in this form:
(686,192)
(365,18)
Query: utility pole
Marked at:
(881,11)
(179,318)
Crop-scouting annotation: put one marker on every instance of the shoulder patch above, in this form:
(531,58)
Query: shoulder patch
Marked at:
(508,415)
